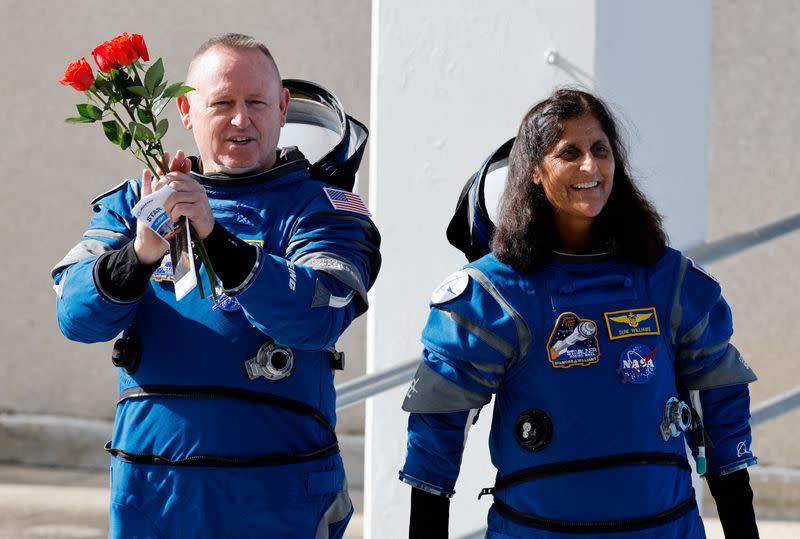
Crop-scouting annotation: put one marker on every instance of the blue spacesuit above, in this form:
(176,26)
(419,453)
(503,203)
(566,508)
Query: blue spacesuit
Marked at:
(599,367)
(230,413)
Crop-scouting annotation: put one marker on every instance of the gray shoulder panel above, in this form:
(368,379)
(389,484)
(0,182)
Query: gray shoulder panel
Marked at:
(523,331)
(731,370)
(335,266)
(430,392)
(505,349)
(677,310)
(85,250)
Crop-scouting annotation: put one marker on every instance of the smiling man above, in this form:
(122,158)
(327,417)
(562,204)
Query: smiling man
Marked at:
(225,421)
(236,110)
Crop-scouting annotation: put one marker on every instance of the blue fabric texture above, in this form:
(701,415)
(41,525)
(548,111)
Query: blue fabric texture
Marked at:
(199,342)
(610,344)
(157,502)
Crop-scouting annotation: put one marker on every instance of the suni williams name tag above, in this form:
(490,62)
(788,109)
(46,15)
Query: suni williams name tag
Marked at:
(150,210)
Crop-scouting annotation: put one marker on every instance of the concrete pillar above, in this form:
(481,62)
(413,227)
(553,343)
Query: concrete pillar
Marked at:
(450,81)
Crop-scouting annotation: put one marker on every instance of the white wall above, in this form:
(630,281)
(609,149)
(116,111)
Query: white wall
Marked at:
(450,81)
(652,62)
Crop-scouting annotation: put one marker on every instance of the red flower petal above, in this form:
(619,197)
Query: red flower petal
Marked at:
(137,40)
(122,49)
(78,75)
(103,56)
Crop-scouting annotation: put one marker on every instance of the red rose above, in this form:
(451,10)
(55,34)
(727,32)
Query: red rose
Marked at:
(122,49)
(78,75)
(103,56)
(137,40)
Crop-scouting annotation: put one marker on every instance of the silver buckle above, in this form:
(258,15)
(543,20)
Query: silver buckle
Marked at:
(272,361)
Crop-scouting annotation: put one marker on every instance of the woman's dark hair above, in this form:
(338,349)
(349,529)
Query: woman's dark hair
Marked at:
(526,236)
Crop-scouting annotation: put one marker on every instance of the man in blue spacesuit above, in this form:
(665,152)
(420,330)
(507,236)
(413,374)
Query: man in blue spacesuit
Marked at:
(225,422)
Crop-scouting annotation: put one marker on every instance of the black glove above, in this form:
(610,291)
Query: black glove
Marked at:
(734,500)
(233,258)
(121,276)
(430,515)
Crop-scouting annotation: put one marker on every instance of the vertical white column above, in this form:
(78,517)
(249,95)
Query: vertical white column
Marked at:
(451,81)
(653,64)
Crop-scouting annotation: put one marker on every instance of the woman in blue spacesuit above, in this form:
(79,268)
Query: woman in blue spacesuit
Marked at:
(579,304)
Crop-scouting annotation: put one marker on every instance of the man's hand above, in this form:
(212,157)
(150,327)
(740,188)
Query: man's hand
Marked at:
(190,199)
(147,245)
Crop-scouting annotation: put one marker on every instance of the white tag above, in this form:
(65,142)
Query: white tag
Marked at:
(150,210)
(180,250)
(452,287)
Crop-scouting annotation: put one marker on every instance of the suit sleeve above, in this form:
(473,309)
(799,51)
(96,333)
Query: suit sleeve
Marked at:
(308,297)
(713,371)
(469,342)
(84,310)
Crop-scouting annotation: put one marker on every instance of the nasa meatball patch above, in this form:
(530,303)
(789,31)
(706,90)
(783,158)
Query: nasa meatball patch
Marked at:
(224,302)
(452,287)
(636,364)
(573,342)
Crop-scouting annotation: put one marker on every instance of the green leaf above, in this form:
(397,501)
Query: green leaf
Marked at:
(161,128)
(141,132)
(87,110)
(159,89)
(79,120)
(120,80)
(176,90)
(104,86)
(145,116)
(139,91)
(125,140)
(154,76)
(112,131)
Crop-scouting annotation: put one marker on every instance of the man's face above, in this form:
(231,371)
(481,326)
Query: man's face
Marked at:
(236,110)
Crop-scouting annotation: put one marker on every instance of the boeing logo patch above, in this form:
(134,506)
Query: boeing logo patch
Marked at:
(573,342)
(632,323)
(412,388)
(452,287)
(636,364)
(742,450)
(292,275)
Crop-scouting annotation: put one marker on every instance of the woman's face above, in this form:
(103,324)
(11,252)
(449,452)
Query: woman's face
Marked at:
(577,173)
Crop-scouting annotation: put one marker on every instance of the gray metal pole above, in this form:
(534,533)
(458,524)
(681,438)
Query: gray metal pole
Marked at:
(363,387)
(775,407)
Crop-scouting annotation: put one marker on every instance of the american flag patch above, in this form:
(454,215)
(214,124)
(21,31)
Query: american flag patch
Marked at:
(345,200)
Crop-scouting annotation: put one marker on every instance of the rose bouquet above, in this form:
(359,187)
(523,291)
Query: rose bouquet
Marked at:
(127,98)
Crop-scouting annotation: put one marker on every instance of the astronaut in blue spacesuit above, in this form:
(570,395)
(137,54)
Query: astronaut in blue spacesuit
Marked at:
(603,348)
(225,422)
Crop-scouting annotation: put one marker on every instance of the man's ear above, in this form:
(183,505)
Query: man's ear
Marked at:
(284,104)
(183,109)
